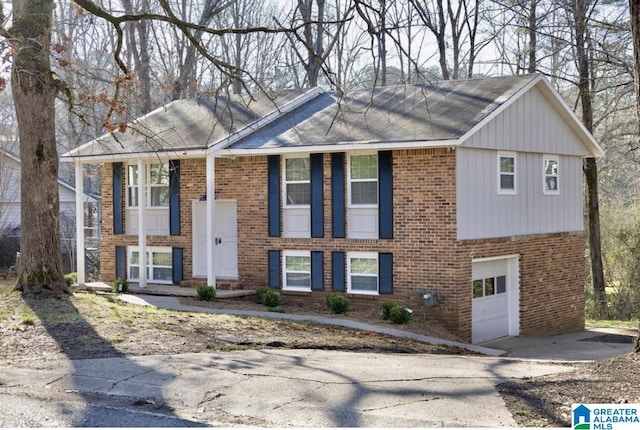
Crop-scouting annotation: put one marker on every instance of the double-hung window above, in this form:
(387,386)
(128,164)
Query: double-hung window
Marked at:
(296,269)
(362,273)
(159,264)
(506,173)
(363,180)
(550,175)
(297,182)
(157,185)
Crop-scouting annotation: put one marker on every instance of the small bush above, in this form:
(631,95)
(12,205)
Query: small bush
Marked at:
(260,292)
(119,286)
(277,309)
(399,314)
(71,278)
(337,304)
(206,292)
(268,297)
(385,310)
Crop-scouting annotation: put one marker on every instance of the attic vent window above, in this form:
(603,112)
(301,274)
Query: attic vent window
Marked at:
(506,173)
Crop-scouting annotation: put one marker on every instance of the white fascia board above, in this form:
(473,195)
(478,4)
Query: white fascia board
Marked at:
(267,119)
(340,147)
(112,158)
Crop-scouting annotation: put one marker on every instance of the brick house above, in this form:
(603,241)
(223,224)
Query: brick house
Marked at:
(469,190)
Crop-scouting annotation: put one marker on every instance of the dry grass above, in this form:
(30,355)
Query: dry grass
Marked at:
(91,326)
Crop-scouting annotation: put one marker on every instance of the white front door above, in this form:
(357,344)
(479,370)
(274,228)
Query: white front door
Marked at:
(225,239)
(494,299)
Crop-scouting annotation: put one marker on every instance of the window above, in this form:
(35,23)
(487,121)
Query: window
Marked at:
(550,175)
(489,287)
(362,273)
(296,270)
(506,173)
(297,182)
(157,185)
(159,265)
(363,179)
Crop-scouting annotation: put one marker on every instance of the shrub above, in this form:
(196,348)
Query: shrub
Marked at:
(385,310)
(206,292)
(268,297)
(119,286)
(71,278)
(399,314)
(337,304)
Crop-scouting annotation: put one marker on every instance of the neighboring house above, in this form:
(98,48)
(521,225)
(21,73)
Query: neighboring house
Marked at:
(471,190)
(10,201)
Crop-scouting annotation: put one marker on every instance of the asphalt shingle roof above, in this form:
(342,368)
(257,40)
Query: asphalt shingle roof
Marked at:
(441,111)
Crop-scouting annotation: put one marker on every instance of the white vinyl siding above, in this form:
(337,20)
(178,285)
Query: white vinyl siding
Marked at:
(482,213)
(530,124)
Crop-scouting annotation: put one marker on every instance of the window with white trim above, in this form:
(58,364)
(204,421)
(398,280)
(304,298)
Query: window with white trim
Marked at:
(297,181)
(296,270)
(159,264)
(506,173)
(157,185)
(550,175)
(363,180)
(362,273)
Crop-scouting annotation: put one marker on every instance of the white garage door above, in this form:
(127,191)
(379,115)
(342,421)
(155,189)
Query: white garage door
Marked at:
(494,303)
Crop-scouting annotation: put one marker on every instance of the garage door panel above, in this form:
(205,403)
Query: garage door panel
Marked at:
(490,305)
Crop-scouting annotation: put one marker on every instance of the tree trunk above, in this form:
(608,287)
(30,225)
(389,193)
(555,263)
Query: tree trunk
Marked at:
(34,91)
(634,12)
(590,168)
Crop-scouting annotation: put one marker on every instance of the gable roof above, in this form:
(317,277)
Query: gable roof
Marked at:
(444,113)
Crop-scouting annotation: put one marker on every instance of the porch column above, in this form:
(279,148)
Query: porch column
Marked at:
(142,227)
(211,207)
(80,264)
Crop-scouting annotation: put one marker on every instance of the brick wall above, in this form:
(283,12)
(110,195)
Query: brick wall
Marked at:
(426,253)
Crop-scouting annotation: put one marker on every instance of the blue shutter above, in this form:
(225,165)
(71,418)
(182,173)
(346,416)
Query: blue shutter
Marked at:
(121,272)
(118,222)
(174,197)
(385,204)
(338,195)
(273,185)
(317,270)
(338,271)
(176,264)
(317,195)
(385,272)
(274,269)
